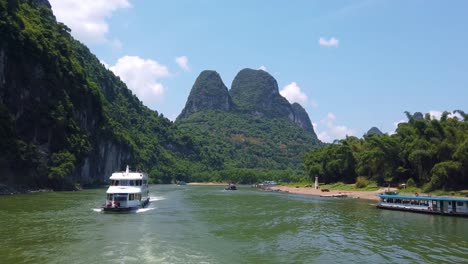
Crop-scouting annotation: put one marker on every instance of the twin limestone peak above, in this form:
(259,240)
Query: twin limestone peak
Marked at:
(253,92)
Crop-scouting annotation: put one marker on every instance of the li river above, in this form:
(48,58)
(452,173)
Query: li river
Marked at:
(205,224)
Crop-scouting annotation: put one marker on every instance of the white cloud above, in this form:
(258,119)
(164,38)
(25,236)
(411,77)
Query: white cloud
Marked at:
(141,76)
(438,114)
(330,130)
(395,125)
(332,42)
(88,18)
(182,61)
(105,64)
(398,122)
(293,93)
(263,68)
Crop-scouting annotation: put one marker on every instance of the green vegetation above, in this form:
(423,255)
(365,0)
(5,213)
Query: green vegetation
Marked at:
(239,140)
(426,153)
(250,137)
(65,120)
(256,91)
(63,115)
(371,186)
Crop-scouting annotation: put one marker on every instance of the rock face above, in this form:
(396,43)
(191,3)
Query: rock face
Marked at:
(301,118)
(208,93)
(256,91)
(27,103)
(418,116)
(253,92)
(374,131)
(64,118)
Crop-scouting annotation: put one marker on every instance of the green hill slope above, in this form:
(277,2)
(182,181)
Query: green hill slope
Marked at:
(66,119)
(259,130)
(246,141)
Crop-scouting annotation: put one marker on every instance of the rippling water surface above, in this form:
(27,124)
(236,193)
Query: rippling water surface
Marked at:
(205,224)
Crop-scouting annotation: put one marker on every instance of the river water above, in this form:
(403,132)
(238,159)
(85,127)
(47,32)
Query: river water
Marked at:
(206,224)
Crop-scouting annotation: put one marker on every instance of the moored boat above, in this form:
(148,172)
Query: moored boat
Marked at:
(455,206)
(127,191)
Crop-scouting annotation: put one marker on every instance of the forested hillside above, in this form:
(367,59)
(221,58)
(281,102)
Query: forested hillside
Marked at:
(424,152)
(248,128)
(66,119)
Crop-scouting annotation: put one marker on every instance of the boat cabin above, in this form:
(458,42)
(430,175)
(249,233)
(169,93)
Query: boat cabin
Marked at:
(425,204)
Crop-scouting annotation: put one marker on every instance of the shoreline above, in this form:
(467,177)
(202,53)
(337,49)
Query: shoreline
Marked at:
(367,195)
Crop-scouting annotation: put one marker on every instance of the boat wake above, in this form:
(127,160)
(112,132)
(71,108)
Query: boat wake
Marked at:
(142,210)
(156,198)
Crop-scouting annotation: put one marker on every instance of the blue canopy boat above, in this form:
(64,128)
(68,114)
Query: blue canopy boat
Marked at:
(455,206)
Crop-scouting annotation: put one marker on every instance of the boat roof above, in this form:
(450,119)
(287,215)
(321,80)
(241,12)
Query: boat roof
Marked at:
(128,176)
(123,189)
(431,198)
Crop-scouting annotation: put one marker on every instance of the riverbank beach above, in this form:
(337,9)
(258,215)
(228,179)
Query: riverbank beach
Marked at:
(369,195)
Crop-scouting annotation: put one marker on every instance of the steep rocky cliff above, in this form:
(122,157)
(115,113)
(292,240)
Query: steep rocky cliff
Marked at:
(301,118)
(66,119)
(253,92)
(374,131)
(53,117)
(256,92)
(208,93)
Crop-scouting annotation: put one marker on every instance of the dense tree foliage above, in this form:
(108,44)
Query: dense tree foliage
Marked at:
(60,108)
(426,152)
(240,140)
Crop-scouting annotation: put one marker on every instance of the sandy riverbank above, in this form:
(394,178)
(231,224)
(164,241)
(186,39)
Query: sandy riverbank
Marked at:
(368,195)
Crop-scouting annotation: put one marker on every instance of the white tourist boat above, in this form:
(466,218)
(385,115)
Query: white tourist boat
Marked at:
(127,191)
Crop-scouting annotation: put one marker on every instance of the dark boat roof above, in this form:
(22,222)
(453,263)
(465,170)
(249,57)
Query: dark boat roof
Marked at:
(432,198)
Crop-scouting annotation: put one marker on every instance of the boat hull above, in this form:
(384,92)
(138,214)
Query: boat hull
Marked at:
(125,209)
(420,211)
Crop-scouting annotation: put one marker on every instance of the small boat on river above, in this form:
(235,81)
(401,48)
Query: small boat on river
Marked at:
(230,187)
(127,191)
(454,206)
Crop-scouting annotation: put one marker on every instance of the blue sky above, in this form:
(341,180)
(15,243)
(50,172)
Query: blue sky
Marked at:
(351,64)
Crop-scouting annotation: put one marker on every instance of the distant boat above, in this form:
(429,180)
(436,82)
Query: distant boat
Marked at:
(266,184)
(269,183)
(127,191)
(424,204)
(181,183)
(230,187)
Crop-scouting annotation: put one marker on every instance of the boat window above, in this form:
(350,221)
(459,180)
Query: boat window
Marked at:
(123,183)
(109,196)
(120,197)
(114,182)
(131,197)
(459,203)
(132,183)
